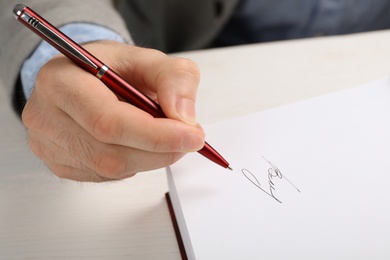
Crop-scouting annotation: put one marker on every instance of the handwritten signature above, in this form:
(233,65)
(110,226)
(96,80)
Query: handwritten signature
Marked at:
(272,173)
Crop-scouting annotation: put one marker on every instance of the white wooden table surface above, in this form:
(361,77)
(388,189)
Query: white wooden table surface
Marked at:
(43,217)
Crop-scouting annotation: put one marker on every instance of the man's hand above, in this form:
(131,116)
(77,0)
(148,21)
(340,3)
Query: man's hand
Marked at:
(80,129)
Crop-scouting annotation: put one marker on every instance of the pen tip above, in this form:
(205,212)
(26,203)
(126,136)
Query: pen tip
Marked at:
(229,168)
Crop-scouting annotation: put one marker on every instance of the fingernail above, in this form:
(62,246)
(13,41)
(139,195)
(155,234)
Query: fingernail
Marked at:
(192,142)
(185,108)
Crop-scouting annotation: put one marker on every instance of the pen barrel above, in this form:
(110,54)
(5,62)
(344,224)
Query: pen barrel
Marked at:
(130,94)
(58,40)
(88,62)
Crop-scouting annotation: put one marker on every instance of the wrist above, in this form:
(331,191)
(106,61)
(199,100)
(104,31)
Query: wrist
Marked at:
(79,32)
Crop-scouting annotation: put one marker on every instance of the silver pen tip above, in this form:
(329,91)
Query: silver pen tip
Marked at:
(18,10)
(229,168)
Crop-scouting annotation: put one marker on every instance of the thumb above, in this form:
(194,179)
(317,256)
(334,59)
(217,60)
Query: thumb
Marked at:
(176,87)
(172,81)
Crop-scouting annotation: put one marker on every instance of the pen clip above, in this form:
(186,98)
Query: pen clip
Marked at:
(57,39)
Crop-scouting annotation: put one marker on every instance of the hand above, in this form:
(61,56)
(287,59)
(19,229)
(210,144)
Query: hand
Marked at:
(80,129)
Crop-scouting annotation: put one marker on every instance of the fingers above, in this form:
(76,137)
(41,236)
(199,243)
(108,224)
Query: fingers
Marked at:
(92,105)
(172,81)
(95,107)
(176,86)
(61,162)
(72,153)
(83,132)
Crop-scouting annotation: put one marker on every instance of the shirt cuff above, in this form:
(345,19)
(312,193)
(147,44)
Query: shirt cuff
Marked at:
(78,32)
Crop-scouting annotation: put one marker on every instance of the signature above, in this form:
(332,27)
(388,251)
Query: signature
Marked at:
(273,172)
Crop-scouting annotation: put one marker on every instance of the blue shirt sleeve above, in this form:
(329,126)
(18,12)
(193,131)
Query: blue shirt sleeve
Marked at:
(79,32)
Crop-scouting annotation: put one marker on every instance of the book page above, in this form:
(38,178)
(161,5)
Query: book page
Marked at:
(310,180)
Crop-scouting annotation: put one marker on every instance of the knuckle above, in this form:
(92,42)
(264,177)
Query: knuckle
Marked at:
(31,114)
(60,172)
(47,83)
(174,157)
(44,75)
(105,128)
(163,142)
(36,147)
(110,165)
(185,66)
(158,144)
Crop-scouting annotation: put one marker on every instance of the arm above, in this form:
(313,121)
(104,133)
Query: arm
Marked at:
(79,128)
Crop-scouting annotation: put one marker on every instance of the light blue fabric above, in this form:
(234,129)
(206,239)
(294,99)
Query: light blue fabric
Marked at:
(79,32)
(271,20)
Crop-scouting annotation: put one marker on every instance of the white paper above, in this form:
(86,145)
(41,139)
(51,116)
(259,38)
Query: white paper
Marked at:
(333,153)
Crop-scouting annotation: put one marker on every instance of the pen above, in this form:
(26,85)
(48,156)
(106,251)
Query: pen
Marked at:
(88,62)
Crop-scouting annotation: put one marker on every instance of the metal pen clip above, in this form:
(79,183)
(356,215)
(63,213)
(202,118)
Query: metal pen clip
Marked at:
(58,40)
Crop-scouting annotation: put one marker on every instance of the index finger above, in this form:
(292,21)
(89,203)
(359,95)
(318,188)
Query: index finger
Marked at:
(92,105)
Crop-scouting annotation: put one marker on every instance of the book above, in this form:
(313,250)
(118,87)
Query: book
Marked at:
(310,180)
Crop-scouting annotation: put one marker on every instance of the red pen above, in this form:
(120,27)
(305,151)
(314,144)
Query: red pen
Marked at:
(88,62)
